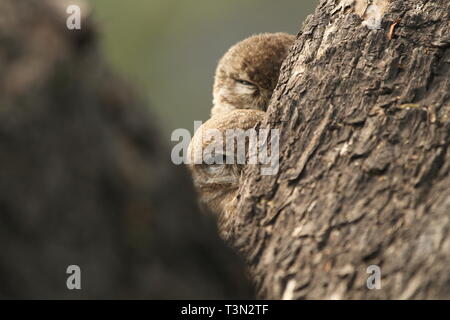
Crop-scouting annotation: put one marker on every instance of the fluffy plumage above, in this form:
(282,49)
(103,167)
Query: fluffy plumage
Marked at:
(248,73)
(218,184)
(245,79)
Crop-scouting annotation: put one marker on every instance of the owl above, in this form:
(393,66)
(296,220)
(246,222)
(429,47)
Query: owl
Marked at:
(244,82)
(217,184)
(247,74)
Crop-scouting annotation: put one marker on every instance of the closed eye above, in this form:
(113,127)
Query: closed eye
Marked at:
(213,168)
(245,83)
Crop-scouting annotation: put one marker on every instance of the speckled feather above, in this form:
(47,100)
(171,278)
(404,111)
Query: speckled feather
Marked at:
(256,60)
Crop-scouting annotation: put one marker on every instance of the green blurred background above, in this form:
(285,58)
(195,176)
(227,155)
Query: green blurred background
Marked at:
(169,48)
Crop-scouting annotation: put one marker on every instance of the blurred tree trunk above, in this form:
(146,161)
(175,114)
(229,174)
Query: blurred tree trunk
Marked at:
(85,180)
(364,114)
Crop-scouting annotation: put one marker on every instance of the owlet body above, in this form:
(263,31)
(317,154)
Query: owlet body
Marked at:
(244,82)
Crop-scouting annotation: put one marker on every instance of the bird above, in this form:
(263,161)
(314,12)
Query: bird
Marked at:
(245,79)
(217,183)
(247,74)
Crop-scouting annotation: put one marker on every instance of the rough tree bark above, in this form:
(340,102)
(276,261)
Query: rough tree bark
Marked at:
(84,179)
(363,110)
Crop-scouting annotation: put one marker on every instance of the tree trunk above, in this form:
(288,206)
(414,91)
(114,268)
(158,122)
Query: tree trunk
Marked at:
(363,110)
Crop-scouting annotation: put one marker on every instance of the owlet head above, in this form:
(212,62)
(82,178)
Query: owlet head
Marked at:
(215,159)
(248,73)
